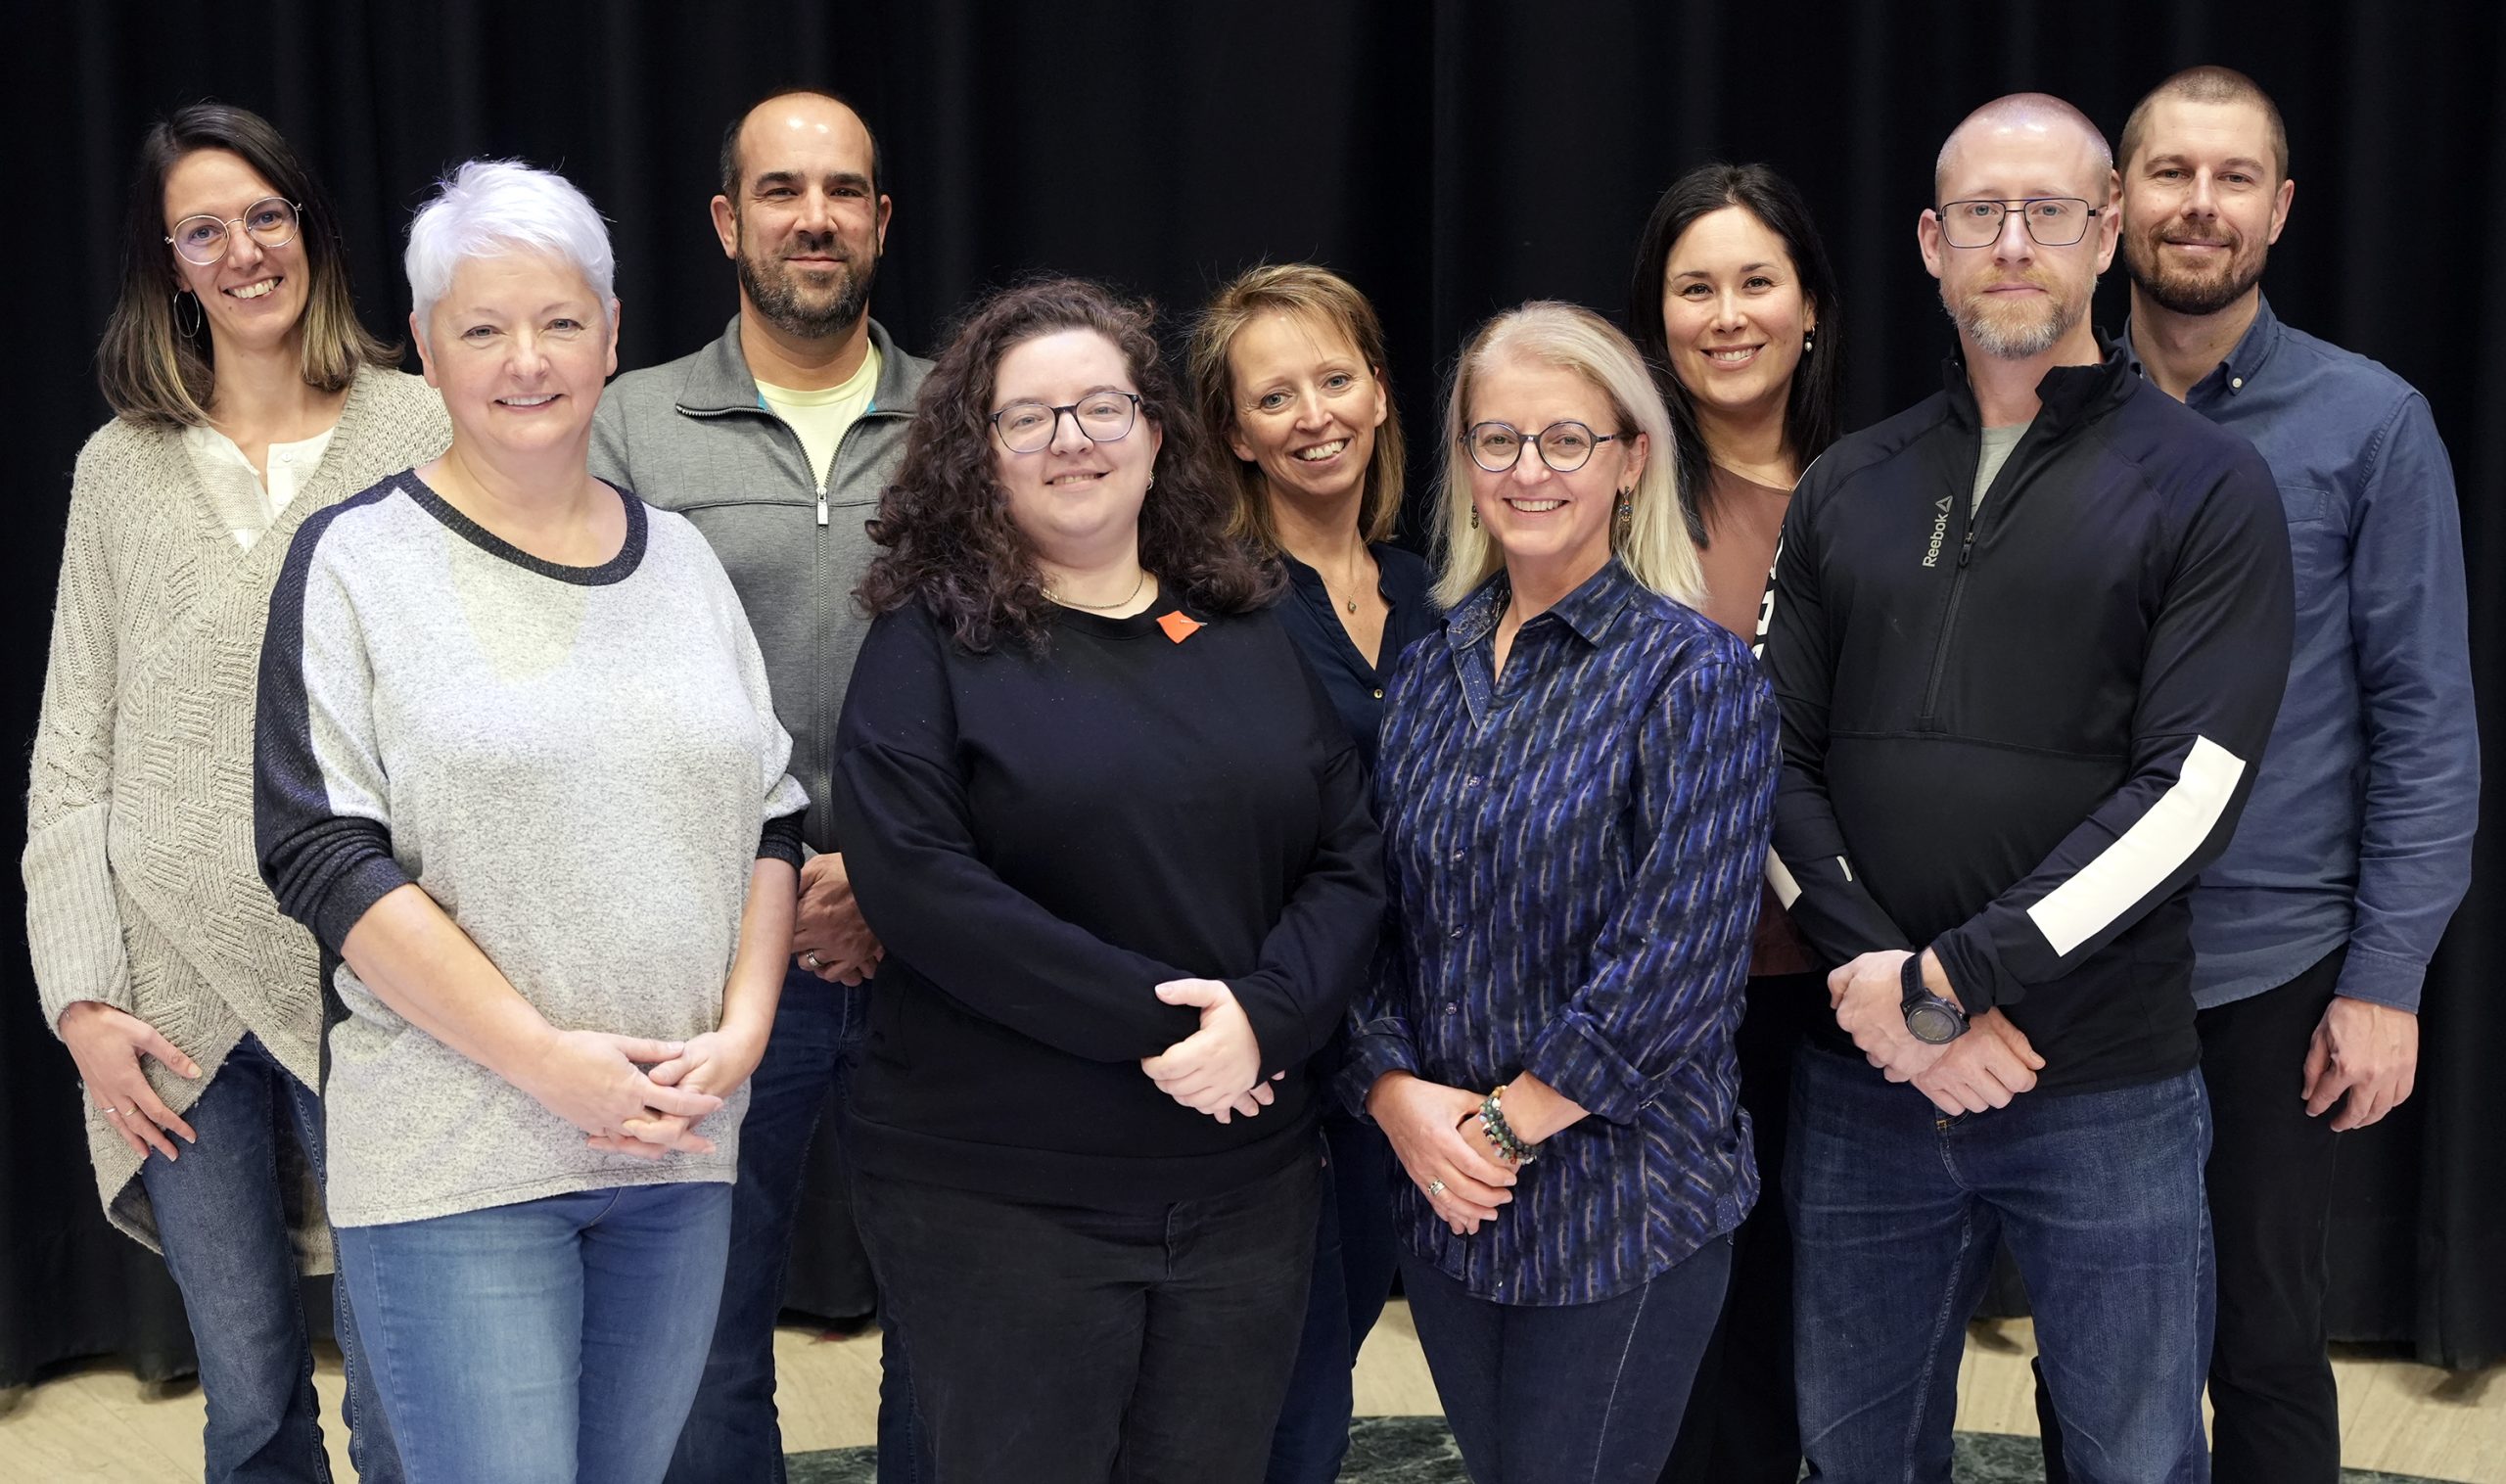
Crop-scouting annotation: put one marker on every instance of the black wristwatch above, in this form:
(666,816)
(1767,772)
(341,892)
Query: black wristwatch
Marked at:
(1930,1018)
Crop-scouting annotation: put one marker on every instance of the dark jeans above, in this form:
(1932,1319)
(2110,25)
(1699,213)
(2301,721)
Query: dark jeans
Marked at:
(1593,1392)
(1353,1262)
(2276,1415)
(1070,1345)
(1896,1212)
(732,1435)
(221,1217)
(1741,1427)
(551,1341)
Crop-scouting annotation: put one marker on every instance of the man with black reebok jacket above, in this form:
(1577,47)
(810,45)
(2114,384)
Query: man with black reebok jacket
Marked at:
(2029,637)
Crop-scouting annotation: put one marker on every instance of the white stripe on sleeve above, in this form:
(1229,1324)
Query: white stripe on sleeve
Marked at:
(2154,849)
(1780,876)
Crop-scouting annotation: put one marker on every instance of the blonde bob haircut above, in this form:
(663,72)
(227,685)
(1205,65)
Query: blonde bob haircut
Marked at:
(1327,299)
(1656,549)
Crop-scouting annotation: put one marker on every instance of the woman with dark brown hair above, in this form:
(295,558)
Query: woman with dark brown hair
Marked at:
(1117,847)
(247,397)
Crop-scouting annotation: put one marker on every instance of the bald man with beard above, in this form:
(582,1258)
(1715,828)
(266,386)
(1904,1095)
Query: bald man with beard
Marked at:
(2028,636)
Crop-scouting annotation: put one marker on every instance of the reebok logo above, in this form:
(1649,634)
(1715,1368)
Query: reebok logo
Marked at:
(1939,530)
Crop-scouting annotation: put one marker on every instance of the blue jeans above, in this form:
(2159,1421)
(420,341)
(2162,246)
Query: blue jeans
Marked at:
(221,1218)
(1897,1210)
(544,1342)
(1353,1265)
(732,1434)
(1590,1392)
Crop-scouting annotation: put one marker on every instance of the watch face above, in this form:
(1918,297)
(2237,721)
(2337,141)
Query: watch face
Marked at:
(1933,1024)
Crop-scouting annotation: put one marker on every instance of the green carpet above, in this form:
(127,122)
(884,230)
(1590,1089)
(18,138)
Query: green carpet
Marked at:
(1418,1450)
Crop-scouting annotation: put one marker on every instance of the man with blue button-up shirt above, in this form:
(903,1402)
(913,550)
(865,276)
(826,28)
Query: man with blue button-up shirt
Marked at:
(2313,932)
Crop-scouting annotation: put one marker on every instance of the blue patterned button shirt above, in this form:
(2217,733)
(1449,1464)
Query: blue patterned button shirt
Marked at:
(1572,853)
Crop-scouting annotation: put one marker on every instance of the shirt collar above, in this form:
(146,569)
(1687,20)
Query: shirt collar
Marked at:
(1587,612)
(2235,373)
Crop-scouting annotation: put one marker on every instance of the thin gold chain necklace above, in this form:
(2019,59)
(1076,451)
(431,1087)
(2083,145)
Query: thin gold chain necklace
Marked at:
(1121,602)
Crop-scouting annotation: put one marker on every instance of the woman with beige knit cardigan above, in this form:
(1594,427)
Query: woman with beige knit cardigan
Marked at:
(248,397)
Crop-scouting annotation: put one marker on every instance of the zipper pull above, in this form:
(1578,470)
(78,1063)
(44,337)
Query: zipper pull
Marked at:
(822,507)
(1966,547)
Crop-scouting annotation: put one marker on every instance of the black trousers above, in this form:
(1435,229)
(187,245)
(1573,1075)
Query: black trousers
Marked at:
(1070,1345)
(1741,1427)
(2277,1416)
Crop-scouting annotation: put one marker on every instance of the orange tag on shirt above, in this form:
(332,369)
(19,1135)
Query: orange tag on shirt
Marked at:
(1179,625)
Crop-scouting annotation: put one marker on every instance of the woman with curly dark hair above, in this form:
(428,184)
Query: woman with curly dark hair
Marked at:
(1117,846)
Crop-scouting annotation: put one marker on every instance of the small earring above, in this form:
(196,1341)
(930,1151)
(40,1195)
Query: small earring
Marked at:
(1152,479)
(1809,338)
(1626,513)
(1475,517)
(199,315)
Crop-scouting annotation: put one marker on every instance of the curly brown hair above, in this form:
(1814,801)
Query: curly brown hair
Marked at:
(950,543)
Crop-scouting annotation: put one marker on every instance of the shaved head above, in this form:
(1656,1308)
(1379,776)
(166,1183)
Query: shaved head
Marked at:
(2033,117)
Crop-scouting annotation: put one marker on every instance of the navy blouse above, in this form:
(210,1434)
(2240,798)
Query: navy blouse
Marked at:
(1354,686)
(1572,854)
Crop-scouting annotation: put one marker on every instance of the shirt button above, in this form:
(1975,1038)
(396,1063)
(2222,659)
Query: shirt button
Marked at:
(1457,933)
(2235,384)
(1458,854)
(1470,782)
(1452,1009)
(1378,695)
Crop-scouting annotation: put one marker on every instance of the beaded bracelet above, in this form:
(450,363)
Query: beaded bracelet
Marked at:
(1501,1135)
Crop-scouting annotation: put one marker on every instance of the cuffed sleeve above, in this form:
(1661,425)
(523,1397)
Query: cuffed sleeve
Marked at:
(2409,631)
(1675,953)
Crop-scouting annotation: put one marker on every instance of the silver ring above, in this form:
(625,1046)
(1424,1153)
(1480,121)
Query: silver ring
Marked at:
(1436,1188)
(810,960)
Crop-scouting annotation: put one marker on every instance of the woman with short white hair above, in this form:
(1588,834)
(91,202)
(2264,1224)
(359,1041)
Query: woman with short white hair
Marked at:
(1576,781)
(515,766)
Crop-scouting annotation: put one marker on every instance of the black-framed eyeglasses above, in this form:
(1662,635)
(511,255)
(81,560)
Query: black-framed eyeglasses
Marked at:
(1106,417)
(1564,446)
(2054,221)
(202,239)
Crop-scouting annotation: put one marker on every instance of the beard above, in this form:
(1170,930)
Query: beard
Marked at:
(2193,291)
(2017,331)
(796,307)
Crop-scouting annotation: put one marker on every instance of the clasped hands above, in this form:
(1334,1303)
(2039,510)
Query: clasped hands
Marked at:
(637,1097)
(1215,1070)
(1985,1068)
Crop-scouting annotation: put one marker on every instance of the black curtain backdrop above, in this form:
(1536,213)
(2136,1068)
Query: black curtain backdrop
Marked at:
(1451,158)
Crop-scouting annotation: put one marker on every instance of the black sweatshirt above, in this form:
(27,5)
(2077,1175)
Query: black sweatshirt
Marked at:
(2015,735)
(1040,841)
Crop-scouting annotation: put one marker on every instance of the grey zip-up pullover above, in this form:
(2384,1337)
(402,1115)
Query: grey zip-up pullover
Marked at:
(693,435)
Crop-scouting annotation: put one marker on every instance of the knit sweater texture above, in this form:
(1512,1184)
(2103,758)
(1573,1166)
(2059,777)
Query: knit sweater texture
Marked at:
(142,892)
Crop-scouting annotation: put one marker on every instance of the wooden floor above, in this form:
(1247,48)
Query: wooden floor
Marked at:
(93,1426)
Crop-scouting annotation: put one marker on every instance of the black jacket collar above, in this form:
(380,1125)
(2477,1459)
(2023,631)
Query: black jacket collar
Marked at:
(2072,396)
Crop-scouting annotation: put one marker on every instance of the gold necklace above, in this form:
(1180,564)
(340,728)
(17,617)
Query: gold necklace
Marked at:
(1121,602)
(1351,603)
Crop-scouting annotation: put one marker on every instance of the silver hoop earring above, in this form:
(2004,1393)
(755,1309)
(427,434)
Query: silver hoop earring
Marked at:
(1152,480)
(199,315)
